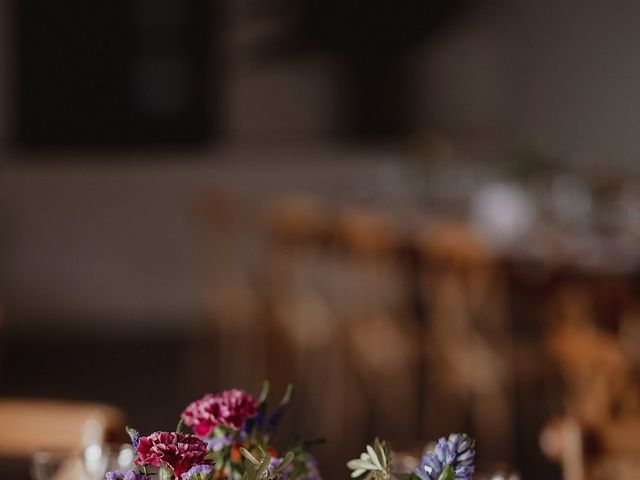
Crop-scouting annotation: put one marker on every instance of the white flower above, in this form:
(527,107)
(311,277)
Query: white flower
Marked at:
(375,463)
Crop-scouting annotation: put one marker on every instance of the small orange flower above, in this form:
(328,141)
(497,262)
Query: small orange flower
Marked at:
(236,456)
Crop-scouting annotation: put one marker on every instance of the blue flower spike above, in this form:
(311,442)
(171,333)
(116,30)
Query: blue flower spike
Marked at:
(134,436)
(451,459)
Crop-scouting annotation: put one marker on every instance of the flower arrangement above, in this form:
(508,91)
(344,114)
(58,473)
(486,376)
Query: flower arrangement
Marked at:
(222,436)
(227,436)
(451,459)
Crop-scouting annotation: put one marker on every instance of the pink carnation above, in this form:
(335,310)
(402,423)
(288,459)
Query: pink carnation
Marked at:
(230,408)
(177,451)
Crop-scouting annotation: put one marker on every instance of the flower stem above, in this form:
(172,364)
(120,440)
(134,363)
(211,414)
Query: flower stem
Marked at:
(447,473)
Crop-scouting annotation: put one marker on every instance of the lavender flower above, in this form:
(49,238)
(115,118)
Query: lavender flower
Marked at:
(451,459)
(282,473)
(312,471)
(215,444)
(197,472)
(134,436)
(276,418)
(125,475)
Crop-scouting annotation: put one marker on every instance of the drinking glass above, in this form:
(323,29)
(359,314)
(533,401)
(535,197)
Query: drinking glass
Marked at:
(90,464)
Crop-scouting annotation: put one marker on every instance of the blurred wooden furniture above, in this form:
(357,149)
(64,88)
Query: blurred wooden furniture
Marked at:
(467,338)
(380,331)
(304,325)
(561,441)
(232,259)
(409,324)
(599,437)
(32,425)
(341,323)
(610,453)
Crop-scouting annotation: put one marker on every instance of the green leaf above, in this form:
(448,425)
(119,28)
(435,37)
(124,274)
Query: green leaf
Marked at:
(380,448)
(181,426)
(447,473)
(262,469)
(287,395)
(264,393)
(263,454)
(257,422)
(288,458)
(165,474)
(374,457)
(247,454)
(313,442)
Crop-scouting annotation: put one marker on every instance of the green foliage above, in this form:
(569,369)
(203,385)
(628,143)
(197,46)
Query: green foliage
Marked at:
(264,393)
(181,427)
(165,474)
(447,473)
(231,461)
(373,464)
(259,468)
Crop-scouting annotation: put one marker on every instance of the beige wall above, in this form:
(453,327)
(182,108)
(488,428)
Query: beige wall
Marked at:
(92,237)
(560,74)
(580,76)
(83,238)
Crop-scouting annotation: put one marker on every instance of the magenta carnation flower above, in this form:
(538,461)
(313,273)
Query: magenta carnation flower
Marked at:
(230,408)
(176,451)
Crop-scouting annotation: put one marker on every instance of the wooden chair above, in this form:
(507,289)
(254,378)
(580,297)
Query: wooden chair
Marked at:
(467,347)
(341,324)
(599,436)
(32,425)
(231,329)
(379,327)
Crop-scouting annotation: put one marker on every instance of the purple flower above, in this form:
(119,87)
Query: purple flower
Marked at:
(197,472)
(454,454)
(125,475)
(134,436)
(284,473)
(311,466)
(215,444)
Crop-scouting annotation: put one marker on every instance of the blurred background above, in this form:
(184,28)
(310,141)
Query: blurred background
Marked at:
(426,214)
